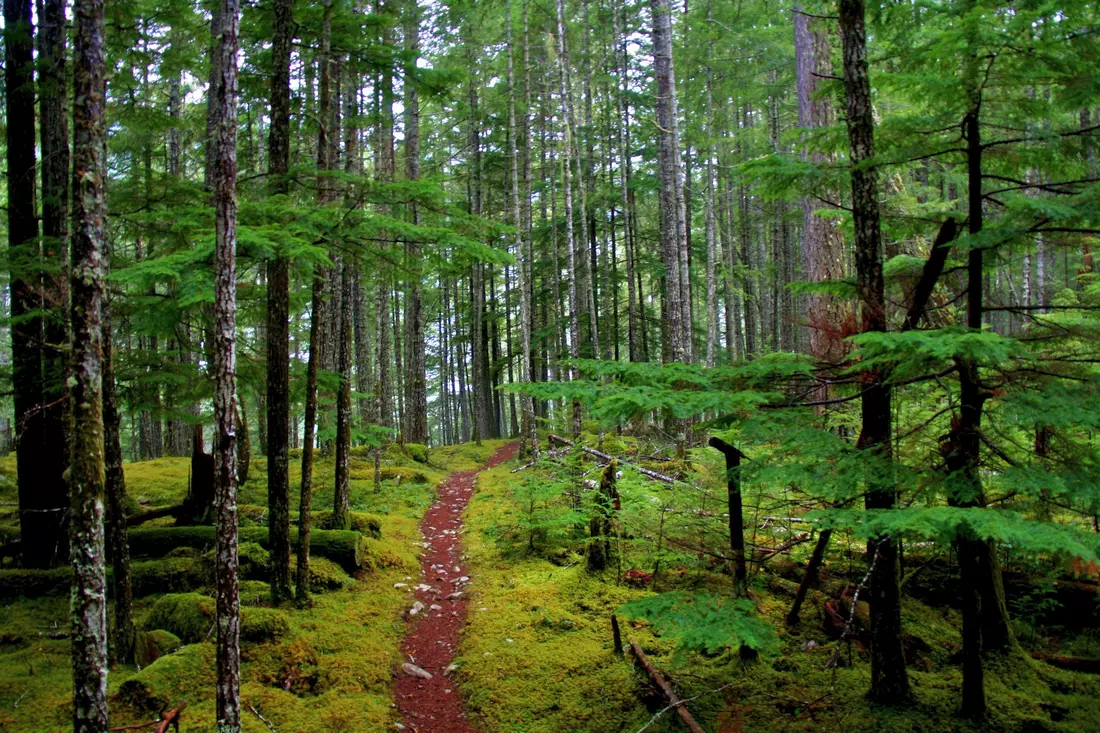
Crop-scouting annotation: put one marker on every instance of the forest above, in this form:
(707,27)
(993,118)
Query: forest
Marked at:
(550,365)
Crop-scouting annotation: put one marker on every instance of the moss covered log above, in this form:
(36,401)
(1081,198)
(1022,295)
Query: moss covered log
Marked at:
(349,549)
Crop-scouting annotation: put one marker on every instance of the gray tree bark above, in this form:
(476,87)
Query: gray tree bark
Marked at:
(87,472)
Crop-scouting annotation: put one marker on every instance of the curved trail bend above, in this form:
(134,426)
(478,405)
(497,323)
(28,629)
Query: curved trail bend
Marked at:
(434,705)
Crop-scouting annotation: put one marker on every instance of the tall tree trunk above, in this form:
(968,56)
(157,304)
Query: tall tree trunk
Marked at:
(622,110)
(342,498)
(711,220)
(123,639)
(301,580)
(224,94)
(889,681)
(416,387)
(87,472)
(54,134)
(278,316)
(42,505)
(821,245)
(673,244)
(567,185)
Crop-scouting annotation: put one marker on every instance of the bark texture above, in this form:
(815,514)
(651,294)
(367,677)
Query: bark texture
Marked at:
(89,271)
(224,181)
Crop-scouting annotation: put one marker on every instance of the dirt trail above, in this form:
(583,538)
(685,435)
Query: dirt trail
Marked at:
(433,705)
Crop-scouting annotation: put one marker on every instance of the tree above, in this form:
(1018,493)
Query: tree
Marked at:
(42,496)
(278,316)
(223,107)
(889,681)
(89,271)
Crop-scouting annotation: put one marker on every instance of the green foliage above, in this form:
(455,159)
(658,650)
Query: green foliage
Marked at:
(704,622)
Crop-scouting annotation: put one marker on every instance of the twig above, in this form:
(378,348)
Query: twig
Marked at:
(855,600)
(683,702)
(262,719)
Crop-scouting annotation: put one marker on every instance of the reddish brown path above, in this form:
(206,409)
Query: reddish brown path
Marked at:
(433,705)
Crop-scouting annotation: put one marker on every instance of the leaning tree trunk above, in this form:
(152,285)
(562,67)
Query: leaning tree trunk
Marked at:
(224,181)
(278,313)
(86,460)
(889,680)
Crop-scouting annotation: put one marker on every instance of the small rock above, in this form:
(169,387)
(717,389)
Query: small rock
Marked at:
(434,607)
(416,608)
(510,641)
(413,670)
(451,668)
(400,585)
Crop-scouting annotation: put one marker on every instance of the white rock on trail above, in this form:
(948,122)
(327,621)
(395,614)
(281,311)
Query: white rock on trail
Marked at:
(416,608)
(413,670)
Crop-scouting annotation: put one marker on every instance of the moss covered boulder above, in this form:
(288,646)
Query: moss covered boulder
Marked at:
(190,616)
(152,645)
(170,678)
(367,524)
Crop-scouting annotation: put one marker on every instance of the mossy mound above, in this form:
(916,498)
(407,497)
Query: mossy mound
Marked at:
(152,645)
(324,575)
(368,524)
(190,616)
(170,678)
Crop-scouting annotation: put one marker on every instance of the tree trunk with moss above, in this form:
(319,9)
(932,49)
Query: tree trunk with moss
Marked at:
(224,180)
(87,471)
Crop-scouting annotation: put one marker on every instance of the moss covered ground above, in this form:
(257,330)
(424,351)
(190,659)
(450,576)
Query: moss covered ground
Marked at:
(537,655)
(325,668)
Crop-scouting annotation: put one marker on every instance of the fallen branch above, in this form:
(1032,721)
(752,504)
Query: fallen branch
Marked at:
(262,719)
(607,459)
(170,718)
(670,694)
(762,555)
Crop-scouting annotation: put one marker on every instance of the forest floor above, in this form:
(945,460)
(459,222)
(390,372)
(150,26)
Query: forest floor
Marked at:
(433,704)
(527,646)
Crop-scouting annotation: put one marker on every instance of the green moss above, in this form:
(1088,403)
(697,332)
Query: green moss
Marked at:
(152,645)
(171,574)
(190,616)
(170,679)
(325,575)
(368,524)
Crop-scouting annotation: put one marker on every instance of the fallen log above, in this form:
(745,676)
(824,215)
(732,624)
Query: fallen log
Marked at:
(607,459)
(1073,664)
(666,689)
(347,548)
